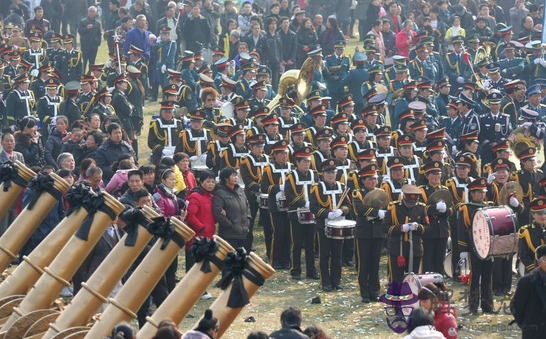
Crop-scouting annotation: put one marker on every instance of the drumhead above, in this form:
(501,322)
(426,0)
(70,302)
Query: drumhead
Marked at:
(415,284)
(481,234)
(448,267)
(341,223)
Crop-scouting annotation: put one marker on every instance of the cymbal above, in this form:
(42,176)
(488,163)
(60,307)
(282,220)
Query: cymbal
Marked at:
(512,187)
(441,195)
(377,198)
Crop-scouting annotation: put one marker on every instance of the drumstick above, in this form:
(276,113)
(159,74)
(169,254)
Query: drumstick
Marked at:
(342,198)
(298,210)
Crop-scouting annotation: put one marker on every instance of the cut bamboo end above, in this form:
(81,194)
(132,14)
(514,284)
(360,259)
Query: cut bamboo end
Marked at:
(25,172)
(60,184)
(186,232)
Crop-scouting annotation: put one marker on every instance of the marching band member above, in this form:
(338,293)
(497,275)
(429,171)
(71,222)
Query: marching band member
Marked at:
(337,67)
(164,133)
(340,153)
(408,95)
(369,236)
(435,239)
(535,64)
(231,156)
(534,96)
(412,163)
(358,142)
(404,224)
(259,91)
(528,177)
(252,166)
(512,67)
(407,118)
(323,140)
(456,64)
(355,79)
(502,267)
(452,123)
(340,123)
(422,66)
(273,183)
(468,144)
(480,284)
(242,109)
(506,37)
(216,147)
(20,101)
(213,115)
(500,150)
(532,235)
(48,107)
(271,127)
(365,158)
(297,135)
(395,178)
(103,107)
(384,148)
(494,127)
(70,62)
(347,105)
(328,202)
(509,103)
(497,81)
(286,120)
(319,122)
(442,99)
(39,84)
(185,97)
(227,87)
(68,106)
(370,114)
(297,189)
(419,130)
(258,125)
(243,85)
(436,152)
(87,96)
(194,141)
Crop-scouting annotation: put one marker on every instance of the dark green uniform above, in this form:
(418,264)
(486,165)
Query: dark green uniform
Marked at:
(70,109)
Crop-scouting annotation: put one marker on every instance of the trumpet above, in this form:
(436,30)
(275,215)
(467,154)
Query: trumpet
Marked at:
(333,69)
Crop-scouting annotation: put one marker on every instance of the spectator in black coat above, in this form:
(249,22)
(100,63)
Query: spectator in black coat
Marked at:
(289,44)
(111,149)
(305,37)
(90,32)
(291,319)
(54,143)
(197,32)
(230,12)
(28,144)
(74,11)
(275,50)
(234,41)
(389,39)
(53,11)
(257,40)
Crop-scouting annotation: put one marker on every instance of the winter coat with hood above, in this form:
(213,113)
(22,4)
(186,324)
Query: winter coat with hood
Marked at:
(31,150)
(199,217)
(167,202)
(424,332)
(235,224)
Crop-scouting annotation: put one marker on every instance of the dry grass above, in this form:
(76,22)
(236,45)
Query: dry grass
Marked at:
(341,314)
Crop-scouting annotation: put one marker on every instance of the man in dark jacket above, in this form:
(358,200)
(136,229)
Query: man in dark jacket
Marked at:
(291,319)
(230,208)
(90,32)
(529,303)
(74,11)
(288,39)
(37,21)
(111,149)
(197,31)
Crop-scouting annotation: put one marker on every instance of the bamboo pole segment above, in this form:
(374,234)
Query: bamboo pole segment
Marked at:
(10,192)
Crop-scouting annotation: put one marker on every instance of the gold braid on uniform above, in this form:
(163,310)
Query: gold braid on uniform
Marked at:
(184,134)
(72,64)
(213,150)
(451,184)
(467,221)
(327,204)
(515,176)
(358,195)
(523,233)
(392,208)
(299,195)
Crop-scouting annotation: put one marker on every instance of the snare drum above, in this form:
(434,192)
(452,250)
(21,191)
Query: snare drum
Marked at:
(263,200)
(417,281)
(197,172)
(340,229)
(306,217)
(282,203)
(494,232)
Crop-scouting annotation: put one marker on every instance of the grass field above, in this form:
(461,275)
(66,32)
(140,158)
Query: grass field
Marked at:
(341,314)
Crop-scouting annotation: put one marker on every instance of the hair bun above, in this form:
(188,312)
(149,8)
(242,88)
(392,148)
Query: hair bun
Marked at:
(208,314)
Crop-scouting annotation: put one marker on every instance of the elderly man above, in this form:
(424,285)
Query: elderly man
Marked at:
(138,36)
(8,154)
(90,33)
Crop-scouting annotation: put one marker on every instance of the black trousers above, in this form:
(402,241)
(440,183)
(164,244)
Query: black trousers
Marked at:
(502,275)
(368,253)
(253,202)
(455,251)
(89,55)
(235,243)
(265,219)
(480,269)
(302,234)
(170,275)
(329,258)
(348,252)
(158,295)
(397,273)
(434,252)
(280,249)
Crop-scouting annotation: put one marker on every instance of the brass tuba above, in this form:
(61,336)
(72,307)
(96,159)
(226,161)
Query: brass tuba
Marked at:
(231,69)
(302,79)
(520,139)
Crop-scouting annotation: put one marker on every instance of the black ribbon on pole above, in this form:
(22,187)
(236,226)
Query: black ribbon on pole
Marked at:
(9,174)
(93,203)
(76,197)
(133,217)
(236,267)
(204,249)
(163,228)
(40,183)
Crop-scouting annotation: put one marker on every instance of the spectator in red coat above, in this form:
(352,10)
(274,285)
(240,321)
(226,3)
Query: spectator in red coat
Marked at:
(434,298)
(182,160)
(199,217)
(404,39)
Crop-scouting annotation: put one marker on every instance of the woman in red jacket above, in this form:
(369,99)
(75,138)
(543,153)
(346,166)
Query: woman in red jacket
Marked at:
(404,39)
(434,297)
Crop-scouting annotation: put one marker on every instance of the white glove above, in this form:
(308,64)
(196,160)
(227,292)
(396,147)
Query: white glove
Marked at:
(490,178)
(406,228)
(441,206)
(527,124)
(338,213)
(331,215)
(503,71)
(381,214)
(386,178)
(163,68)
(486,84)
(463,255)
(321,86)
(460,80)
(307,204)
(34,73)
(542,62)
(281,187)
(167,152)
(536,61)
(414,226)
(514,202)
(454,150)
(108,62)
(203,157)
(194,158)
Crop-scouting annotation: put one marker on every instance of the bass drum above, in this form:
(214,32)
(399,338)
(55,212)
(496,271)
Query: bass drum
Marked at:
(226,108)
(494,232)
(417,281)
(448,266)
